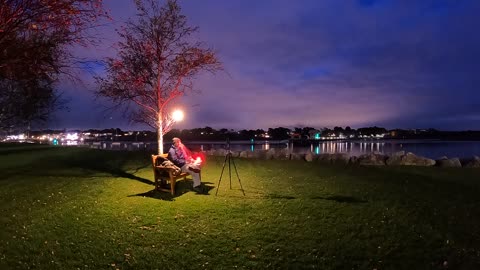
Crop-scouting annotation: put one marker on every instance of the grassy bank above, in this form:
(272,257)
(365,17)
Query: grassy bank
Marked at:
(74,208)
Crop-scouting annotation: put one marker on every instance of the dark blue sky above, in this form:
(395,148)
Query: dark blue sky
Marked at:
(405,64)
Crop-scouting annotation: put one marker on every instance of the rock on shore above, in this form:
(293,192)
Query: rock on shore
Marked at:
(371,159)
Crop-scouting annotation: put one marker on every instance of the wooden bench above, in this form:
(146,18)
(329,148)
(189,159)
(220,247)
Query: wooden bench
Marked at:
(162,175)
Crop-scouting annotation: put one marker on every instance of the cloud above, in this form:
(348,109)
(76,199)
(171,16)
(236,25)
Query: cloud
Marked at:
(327,63)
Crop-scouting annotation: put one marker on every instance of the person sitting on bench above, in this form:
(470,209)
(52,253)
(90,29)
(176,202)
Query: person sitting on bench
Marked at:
(179,155)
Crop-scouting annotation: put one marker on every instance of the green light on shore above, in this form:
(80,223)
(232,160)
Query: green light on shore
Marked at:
(317,136)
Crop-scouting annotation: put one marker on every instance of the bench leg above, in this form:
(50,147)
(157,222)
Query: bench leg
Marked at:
(157,183)
(172,186)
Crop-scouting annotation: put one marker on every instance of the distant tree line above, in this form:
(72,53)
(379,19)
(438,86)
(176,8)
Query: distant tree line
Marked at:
(283,133)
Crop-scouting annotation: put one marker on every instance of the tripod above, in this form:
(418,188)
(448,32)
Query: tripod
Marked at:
(229,158)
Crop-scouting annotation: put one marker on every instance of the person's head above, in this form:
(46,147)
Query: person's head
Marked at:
(176,141)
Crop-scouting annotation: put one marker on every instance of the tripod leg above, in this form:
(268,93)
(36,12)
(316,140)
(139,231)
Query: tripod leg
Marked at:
(221,174)
(240,182)
(229,169)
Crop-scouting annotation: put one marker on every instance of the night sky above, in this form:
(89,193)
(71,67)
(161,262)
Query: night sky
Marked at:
(395,64)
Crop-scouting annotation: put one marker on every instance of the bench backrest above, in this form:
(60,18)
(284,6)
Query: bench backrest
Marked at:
(155,157)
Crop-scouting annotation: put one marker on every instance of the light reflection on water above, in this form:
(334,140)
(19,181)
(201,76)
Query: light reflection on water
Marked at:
(347,147)
(431,149)
(426,148)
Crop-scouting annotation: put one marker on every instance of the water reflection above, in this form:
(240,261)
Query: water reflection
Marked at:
(431,149)
(427,148)
(266,146)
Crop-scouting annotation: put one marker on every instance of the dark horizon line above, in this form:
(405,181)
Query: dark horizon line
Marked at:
(266,130)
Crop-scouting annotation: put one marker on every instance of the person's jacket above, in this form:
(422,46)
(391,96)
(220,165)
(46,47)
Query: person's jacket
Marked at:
(177,156)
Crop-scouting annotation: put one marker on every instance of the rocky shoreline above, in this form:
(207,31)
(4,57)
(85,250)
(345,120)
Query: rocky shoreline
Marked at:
(372,159)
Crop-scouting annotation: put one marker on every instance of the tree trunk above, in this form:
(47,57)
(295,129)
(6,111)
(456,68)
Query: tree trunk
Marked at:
(160,133)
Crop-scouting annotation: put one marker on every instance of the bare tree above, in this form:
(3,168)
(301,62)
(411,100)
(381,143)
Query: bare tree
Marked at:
(156,63)
(52,23)
(27,101)
(35,38)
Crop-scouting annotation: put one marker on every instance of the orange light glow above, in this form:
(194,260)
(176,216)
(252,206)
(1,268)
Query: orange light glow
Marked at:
(177,115)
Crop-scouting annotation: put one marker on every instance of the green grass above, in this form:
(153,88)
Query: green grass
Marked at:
(75,208)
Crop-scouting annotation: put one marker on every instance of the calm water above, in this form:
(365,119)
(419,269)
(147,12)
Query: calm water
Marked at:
(428,148)
(431,149)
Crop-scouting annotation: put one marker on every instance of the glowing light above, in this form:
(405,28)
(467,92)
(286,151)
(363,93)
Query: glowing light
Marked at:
(199,159)
(177,115)
(16,137)
(72,137)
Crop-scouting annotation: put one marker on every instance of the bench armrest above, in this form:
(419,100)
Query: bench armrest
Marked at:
(164,168)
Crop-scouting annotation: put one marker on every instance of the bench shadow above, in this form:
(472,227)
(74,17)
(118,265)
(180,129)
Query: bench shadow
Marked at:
(28,171)
(114,169)
(123,174)
(155,194)
(206,186)
(181,187)
(340,199)
(87,164)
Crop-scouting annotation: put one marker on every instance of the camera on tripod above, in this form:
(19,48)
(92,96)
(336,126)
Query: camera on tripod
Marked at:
(229,158)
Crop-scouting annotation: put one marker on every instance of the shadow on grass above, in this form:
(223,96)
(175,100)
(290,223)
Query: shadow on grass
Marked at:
(120,173)
(70,162)
(206,186)
(340,199)
(277,196)
(336,198)
(155,194)
(181,187)
(19,150)
(113,167)
(114,172)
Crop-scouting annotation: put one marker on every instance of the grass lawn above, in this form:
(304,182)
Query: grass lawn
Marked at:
(76,208)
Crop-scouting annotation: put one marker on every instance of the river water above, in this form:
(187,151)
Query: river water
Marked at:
(428,148)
